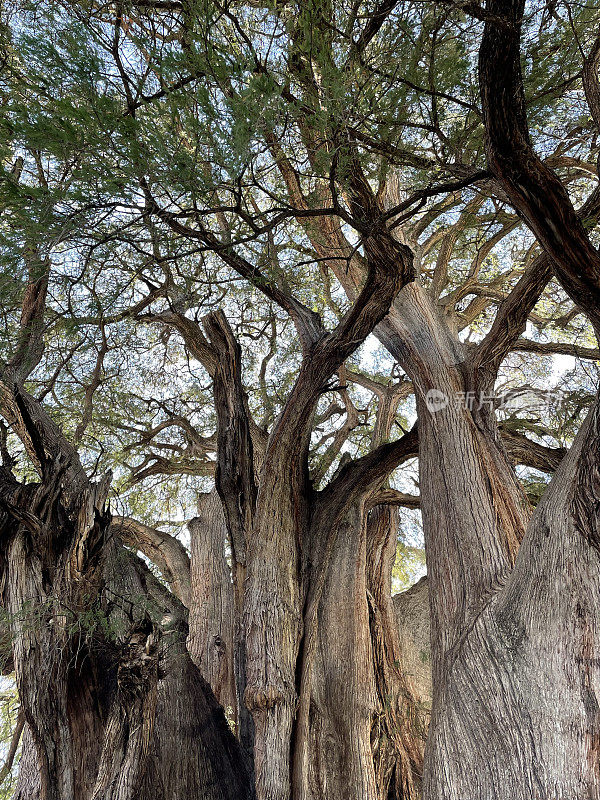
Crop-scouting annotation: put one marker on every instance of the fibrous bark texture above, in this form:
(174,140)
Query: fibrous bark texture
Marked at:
(343,693)
(518,714)
(114,706)
(211,639)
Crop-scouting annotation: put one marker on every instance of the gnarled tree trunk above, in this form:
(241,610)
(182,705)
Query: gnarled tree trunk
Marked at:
(115,708)
(517,713)
(358,721)
(343,698)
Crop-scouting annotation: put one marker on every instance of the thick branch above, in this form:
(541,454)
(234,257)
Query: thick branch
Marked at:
(556,348)
(534,190)
(523,450)
(203,351)
(30,345)
(191,333)
(511,319)
(163,550)
(363,475)
(392,497)
(95,381)
(516,309)
(43,440)
(234,475)
(591,85)
(155,464)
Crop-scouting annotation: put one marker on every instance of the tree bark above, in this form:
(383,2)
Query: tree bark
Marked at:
(141,720)
(401,725)
(115,708)
(352,688)
(240,454)
(336,751)
(274,590)
(470,498)
(211,639)
(358,722)
(532,187)
(519,712)
(411,609)
(515,695)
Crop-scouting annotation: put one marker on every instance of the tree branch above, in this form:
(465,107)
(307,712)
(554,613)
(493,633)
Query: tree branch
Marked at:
(511,319)
(162,549)
(234,476)
(556,348)
(14,745)
(523,450)
(364,474)
(392,497)
(532,187)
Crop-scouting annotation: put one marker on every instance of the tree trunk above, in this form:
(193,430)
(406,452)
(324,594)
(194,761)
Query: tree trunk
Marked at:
(401,726)
(518,715)
(115,708)
(211,641)
(283,567)
(474,512)
(357,721)
(343,698)
(471,501)
(273,623)
(240,453)
(515,675)
(516,710)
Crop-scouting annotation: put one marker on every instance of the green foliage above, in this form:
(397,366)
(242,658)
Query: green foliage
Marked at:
(408,567)
(196,113)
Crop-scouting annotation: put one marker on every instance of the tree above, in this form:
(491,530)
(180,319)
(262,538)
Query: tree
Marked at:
(331,157)
(550,595)
(120,678)
(111,704)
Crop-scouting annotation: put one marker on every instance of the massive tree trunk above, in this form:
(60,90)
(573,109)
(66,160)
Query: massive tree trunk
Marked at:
(140,721)
(275,528)
(342,695)
(474,517)
(273,615)
(518,714)
(358,723)
(474,511)
(115,708)
(471,501)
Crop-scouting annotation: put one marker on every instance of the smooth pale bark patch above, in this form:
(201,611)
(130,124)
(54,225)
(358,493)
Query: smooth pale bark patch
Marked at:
(412,617)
